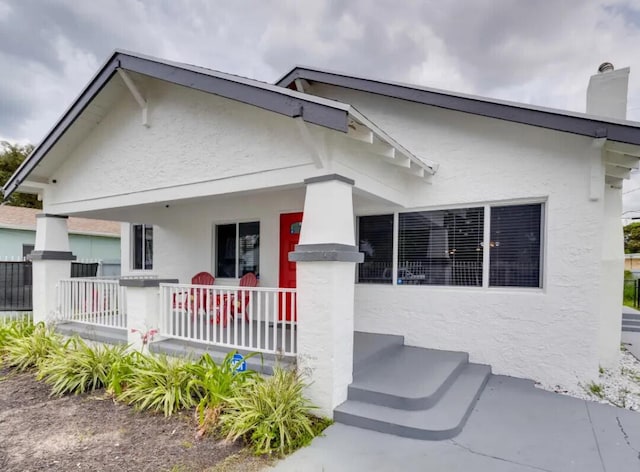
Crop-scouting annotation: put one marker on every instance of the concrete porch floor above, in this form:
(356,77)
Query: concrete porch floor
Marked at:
(514,427)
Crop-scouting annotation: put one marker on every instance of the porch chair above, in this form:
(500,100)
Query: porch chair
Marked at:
(194,299)
(236,303)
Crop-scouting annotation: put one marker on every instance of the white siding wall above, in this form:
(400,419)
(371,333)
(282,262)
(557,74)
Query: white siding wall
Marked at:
(548,334)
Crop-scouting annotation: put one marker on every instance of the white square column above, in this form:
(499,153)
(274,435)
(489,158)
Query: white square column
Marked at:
(51,261)
(326,258)
(143,307)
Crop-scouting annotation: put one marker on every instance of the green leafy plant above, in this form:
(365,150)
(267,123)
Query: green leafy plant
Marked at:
(215,384)
(78,367)
(596,389)
(160,383)
(121,369)
(24,351)
(271,414)
(14,329)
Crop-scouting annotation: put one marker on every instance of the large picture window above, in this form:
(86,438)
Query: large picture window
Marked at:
(441,247)
(447,247)
(237,249)
(142,247)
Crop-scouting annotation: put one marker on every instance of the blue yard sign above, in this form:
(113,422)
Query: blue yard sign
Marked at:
(238,363)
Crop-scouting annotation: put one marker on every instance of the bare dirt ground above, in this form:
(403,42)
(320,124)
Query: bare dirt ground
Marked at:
(92,432)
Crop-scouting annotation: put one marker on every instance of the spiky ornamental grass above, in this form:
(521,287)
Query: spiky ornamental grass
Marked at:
(271,414)
(79,367)
(28,349)
(160,383)
(14,329)
(215,384)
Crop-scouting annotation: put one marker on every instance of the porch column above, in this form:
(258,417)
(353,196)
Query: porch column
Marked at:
(51,261)
(143,307)
(326,258)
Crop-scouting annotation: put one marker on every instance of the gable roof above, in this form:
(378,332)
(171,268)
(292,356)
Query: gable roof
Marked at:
(13,217)
(577,123)
(320,111)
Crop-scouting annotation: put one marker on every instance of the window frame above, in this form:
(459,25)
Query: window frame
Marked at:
(214,245)
(143,253)
(486,258)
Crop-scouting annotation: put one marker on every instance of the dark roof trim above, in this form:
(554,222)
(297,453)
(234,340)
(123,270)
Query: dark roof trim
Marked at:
(559,120)
(326,113)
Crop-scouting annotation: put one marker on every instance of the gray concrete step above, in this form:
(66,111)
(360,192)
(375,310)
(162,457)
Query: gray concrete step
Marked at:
(630,322)
(408,378)
(443,420)
(630,316)
(631,329)
(368,348)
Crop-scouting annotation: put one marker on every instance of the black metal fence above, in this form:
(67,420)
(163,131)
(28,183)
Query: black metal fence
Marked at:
(16,283)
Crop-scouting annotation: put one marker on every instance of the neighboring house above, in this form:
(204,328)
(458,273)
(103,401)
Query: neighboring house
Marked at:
(459,222)
(88,239)
(632,264)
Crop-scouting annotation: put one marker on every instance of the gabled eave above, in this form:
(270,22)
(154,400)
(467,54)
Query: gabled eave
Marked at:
(316,110)
(622,131)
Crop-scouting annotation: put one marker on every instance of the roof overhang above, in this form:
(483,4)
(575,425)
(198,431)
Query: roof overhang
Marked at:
(311,109)
(621,131)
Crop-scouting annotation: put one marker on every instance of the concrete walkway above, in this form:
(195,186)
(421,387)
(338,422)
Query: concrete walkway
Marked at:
(514,427)
(631,340)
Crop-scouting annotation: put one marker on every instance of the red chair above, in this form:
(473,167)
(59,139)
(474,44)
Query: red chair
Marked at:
(236,303)
(196,298)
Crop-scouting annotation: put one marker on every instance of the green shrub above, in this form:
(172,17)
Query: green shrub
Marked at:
(121,369)
(78,367)
(14,329)
(271,414)
(24,351)
(160,383)
(215,384)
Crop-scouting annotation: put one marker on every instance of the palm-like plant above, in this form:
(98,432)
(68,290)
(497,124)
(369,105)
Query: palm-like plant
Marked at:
(215,384)
(24,351)
(160,383)
(272,414)
(80,368)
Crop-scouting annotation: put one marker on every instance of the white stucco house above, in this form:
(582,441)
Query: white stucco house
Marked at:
(458,222)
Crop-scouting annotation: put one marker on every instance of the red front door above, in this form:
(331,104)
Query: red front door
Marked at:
(290,225)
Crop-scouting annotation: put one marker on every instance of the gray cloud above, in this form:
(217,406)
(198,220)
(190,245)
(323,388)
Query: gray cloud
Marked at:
(534,51)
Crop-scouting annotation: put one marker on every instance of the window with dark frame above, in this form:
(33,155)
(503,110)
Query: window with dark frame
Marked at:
(446,247)
(515,246)
(442,247)
(375,235)
(232,262)
(142,247)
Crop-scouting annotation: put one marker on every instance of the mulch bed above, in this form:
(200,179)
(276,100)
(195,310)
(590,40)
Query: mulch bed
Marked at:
(92,432)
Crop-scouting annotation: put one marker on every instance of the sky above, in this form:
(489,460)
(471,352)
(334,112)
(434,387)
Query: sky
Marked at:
(534,51)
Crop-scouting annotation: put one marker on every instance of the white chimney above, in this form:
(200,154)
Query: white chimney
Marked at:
(607,92)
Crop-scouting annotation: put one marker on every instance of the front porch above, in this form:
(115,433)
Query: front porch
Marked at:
(305,272)
(97,309)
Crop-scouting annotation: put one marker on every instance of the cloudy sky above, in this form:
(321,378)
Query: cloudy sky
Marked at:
(534,51)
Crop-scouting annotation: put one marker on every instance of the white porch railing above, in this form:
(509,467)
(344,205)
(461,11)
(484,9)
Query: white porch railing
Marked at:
(257,319)
(92,301)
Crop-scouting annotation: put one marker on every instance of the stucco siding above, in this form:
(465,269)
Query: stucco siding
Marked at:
(550,334)
(183,235)
(192,138)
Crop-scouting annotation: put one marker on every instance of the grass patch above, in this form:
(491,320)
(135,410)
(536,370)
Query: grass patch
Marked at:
(595,389)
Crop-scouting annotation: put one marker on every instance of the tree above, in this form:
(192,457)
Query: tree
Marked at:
(11,156)
(632,238)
